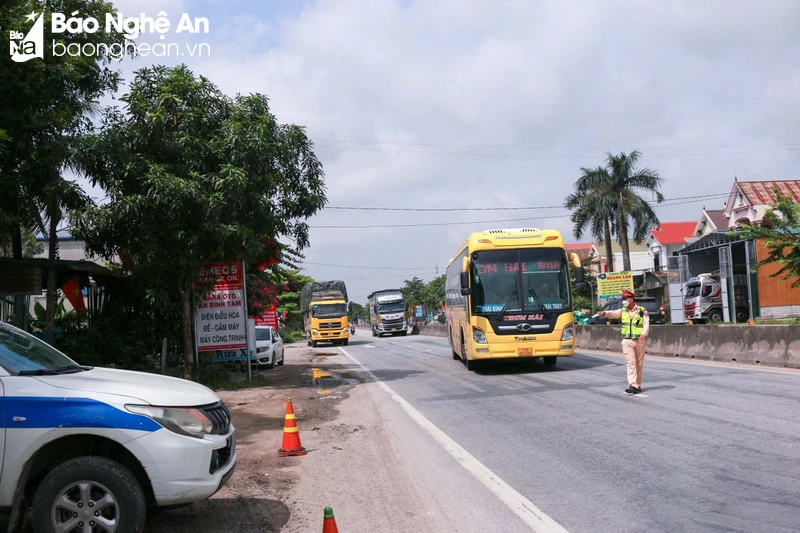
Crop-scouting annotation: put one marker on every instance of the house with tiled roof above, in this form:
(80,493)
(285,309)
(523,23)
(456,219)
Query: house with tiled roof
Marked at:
(711,220)
(667,240)
(748,201)
(588,251)
(716,248)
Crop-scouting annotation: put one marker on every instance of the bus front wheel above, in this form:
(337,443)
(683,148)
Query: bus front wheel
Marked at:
(467,363)
(550,361)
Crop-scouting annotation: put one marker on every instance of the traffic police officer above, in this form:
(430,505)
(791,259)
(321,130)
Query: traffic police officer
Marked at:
(635,328)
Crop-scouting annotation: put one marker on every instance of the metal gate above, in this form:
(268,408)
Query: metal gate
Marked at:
(726,277)
(678,264)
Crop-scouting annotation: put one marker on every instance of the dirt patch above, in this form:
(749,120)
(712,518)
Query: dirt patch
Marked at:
(260,496)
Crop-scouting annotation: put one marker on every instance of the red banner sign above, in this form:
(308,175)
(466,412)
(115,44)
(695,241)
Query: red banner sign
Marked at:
(269,317)
(222,276)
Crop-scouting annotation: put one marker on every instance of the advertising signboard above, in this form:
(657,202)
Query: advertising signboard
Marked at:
(221,318)
(610,284)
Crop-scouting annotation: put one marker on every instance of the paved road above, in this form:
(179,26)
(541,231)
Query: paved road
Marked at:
(706,447)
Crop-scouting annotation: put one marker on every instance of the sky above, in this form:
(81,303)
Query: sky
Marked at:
(498,104)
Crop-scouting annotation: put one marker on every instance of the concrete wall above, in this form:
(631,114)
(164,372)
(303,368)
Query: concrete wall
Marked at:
(764,345)
(777,346)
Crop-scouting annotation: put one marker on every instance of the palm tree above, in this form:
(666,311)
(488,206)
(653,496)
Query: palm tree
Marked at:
(591,211)
(57,196)
(613,192)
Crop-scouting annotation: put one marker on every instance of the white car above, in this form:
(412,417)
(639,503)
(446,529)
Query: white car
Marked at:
(89,449)
(269,346)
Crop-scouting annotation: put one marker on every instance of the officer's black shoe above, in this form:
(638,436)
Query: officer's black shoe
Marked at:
(631,390)
(636,390)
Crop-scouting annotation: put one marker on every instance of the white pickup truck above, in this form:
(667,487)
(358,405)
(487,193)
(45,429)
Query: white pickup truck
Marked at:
(91,449)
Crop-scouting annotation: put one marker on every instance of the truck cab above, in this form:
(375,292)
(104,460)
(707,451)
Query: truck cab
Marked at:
(388,313)
(327,321)
(702,301)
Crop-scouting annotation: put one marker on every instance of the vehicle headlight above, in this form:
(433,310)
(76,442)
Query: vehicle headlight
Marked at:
(478,335)
(263,349)
(182,420)
(568,333)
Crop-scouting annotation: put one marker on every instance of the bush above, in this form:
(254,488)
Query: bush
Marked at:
(293,336)
(581,302)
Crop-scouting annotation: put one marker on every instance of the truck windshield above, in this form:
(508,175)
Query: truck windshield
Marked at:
(540,277)
(693,290)
(23,353)
(328,310)
(397,307)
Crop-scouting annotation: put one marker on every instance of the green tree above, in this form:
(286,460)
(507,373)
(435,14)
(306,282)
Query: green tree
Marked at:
(289,300)
(194,176)
(357,311)
(412,290)
(432,295)
(592,212)
(48,103)
(782,240)
(610,198)
(30,246)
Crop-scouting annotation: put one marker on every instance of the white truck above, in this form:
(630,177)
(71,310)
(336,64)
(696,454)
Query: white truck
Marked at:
(90,449)
(388,312)
(702,301)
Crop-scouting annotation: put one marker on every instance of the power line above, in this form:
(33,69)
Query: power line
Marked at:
(547,156)
(448,209)
(366,267)
(429,224)
(393,277)
(512,147)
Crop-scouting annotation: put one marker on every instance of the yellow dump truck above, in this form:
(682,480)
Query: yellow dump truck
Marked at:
(325,308)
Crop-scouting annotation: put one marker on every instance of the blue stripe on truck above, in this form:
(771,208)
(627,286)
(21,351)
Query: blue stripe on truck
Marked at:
(65,412)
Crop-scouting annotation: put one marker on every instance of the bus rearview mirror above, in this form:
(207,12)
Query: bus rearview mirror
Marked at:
(576,261)
(464,280)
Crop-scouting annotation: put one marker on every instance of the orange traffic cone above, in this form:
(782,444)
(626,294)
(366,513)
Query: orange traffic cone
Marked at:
(291,436)
(329,522)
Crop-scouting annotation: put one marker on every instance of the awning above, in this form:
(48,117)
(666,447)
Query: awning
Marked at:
(712,240)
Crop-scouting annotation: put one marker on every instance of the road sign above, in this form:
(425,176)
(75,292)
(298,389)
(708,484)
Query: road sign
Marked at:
(221,319)
(610,284)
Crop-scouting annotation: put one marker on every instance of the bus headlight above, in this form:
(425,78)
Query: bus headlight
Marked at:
(568,333)
(478,336)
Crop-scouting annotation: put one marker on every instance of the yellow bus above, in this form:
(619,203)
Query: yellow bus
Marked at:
(508,296)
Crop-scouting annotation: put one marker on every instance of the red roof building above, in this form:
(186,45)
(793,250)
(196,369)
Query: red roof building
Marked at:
(667,239)
(749,200)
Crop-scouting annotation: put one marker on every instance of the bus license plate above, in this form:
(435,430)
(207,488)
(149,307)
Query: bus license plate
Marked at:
(524,351)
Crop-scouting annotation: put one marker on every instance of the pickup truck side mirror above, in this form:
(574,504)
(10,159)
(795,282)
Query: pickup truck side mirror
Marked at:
(464,279)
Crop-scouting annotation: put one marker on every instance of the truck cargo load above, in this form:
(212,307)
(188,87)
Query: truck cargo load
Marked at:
(322,290)
(325,312)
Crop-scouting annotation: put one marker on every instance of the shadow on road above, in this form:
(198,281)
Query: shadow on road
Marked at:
(536,366)
(218,515)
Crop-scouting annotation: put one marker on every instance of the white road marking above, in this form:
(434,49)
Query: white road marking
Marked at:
(519,504)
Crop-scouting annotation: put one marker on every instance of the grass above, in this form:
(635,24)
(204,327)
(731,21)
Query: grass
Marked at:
(222,377)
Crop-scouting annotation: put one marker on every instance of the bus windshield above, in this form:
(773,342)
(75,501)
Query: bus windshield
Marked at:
(397,307)
(521,280)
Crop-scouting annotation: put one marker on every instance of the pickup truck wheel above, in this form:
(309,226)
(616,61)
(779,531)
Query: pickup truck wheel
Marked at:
(89,494)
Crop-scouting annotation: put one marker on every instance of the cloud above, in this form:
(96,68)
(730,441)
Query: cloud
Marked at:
(469,83)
